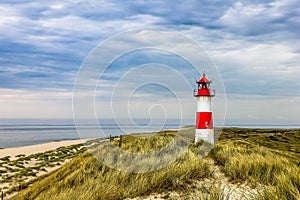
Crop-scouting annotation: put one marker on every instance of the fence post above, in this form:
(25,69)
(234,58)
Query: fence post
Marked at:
(120,141)
(2,195)
(110,139)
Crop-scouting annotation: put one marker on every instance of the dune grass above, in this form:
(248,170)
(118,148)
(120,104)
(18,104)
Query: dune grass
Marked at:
(86,178)
(17,172)
(273,167)
(266,159)
(285,142)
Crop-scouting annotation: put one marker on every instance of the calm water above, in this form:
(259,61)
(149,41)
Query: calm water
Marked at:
(23,133)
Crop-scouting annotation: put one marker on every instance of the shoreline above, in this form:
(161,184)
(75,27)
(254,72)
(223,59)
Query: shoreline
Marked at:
(43,147)
(38,148)
(3,147)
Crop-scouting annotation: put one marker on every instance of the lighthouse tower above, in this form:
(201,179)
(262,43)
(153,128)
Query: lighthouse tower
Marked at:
(204,120)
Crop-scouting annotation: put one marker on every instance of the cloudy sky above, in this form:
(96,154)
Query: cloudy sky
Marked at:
(254,44)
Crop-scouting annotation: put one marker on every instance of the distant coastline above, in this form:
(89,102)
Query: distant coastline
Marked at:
(260,126)
(19,135)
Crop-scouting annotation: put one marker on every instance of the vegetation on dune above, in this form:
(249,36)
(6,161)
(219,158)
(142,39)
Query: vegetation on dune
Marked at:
(285,142)
(254,158)
(15,173)
(87,178)
(266,160)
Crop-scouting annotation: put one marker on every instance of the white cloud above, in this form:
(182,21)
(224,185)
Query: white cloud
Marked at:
(245,109)
(38,104)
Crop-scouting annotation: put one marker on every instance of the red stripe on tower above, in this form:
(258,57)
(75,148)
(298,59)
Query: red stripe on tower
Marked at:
(204,119)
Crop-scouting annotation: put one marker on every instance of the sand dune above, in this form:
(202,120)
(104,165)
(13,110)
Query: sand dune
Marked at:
(38,148)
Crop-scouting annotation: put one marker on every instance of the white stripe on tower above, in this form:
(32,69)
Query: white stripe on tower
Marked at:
(204,104)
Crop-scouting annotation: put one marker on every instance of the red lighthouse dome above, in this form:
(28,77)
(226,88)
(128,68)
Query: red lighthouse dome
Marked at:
(204,88)
(203,80)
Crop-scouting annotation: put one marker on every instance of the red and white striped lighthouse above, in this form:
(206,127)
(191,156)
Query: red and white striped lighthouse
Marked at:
(204,119)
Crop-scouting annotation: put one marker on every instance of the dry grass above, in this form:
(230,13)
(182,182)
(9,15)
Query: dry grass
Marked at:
(245,161)
(17,174)
(87,178)
(266,159)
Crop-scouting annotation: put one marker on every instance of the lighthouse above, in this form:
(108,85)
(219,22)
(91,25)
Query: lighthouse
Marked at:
(204,119)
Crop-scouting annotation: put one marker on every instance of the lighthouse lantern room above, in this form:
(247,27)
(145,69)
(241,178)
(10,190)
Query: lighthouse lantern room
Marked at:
(204,119)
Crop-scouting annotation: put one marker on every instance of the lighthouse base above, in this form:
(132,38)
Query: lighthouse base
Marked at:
(206,135)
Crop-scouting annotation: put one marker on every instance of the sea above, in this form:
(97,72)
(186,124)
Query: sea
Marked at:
(16,133)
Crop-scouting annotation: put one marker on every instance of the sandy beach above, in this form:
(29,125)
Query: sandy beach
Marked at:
(21,164)
(38,148)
